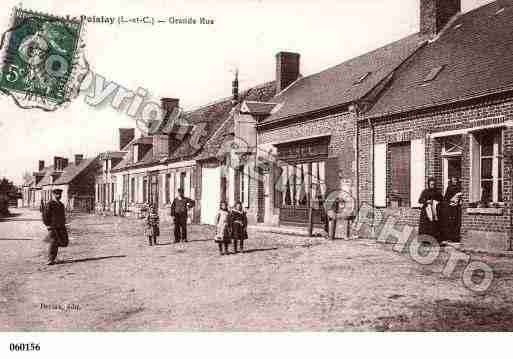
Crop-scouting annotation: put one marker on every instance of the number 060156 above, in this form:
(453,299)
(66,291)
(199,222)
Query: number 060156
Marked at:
(24,347)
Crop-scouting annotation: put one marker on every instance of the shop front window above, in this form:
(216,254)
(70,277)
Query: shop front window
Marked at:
(301,183)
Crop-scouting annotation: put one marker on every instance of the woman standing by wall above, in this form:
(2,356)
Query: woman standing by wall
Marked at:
(451,212)
(430,198)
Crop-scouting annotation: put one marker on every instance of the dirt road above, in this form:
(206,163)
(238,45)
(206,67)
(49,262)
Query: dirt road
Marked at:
(110,279)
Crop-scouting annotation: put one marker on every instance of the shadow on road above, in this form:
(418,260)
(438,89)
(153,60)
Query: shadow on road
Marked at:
(17,239)
(10,217)
(88,259)
(189,241)
(260,250)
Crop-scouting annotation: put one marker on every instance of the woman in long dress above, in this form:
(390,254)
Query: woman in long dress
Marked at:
(430,199)
(223,225)
(451,214)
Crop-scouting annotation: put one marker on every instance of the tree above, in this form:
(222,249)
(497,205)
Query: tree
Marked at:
(7,189)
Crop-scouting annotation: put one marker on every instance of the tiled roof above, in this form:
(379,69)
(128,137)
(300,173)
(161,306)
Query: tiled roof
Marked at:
(47,178)
(344,83)
(72,171)
(477,58)
(212,117)
(211,148)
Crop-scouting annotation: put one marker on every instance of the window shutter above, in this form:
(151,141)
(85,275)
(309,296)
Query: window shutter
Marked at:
(332,180)
(418,170)
(279,183)
(475,170)
(238,180)
(172,187)
(380,175)
(246,183)
(400,173)
(193,183)
(187,182)
(322,179)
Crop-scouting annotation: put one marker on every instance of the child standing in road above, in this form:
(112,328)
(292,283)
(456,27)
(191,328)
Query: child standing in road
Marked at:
(222,223)
(239,222)
(151,229)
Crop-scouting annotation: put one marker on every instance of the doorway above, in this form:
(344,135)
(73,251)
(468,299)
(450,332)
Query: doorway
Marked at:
(451,168)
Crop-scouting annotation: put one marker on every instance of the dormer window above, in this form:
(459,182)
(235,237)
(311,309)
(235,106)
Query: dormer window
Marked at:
(433,74)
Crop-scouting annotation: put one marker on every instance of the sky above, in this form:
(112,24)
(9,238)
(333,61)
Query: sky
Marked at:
(194,63)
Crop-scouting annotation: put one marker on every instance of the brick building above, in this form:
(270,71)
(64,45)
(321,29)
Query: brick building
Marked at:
(306,134)
(156,164)
(76,179)
(447,111)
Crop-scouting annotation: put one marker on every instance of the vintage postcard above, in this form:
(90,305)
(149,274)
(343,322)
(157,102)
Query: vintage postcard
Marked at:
(256,166)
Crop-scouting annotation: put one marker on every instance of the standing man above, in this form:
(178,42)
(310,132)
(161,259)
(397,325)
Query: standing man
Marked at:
(54,218)
(179,210)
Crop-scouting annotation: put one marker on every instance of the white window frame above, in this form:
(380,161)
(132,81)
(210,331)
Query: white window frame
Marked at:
(446,155)
(475,165)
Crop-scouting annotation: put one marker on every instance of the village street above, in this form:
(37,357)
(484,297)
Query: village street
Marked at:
(110,279)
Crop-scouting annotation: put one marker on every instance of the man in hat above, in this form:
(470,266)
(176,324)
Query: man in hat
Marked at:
(179,210)
(54,218)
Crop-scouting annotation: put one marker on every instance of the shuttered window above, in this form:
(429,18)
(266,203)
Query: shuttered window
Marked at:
(145,190)
(399,169)
(380,175)
(418,170)
(167,187)
(243,178)
(132,190)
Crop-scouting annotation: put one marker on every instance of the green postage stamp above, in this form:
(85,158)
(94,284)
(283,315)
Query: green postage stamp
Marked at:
(42,59)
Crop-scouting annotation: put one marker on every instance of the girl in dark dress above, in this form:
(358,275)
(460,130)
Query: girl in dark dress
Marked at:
(451,215)
(430,199)
(151,229)
(239,222)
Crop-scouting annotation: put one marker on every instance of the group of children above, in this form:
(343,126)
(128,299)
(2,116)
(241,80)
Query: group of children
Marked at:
(231,226)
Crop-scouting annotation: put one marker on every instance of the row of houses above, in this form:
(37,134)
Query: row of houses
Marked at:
(438,103)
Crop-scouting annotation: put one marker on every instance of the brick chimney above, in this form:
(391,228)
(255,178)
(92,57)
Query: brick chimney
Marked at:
(169,104)
(78,159)
(56,163)
(287,69)
(235,87)
(125,136)
(435,14)
(41,165)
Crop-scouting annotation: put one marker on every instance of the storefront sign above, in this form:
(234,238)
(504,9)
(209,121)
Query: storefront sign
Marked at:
(303,150)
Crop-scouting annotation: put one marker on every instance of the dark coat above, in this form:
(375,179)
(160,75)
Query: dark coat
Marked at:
(54,215)
(427,226)
(450,215)
(239,223)
(180,206)
(54,218)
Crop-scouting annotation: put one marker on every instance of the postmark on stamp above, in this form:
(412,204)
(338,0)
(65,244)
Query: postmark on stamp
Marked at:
(42,60)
